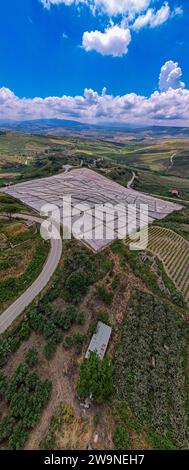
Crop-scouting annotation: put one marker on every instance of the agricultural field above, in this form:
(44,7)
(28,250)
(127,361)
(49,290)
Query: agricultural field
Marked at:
(25,155)
(166,162)
(177,221)
(173,251)
(154,183)
(150,377)
(169,157)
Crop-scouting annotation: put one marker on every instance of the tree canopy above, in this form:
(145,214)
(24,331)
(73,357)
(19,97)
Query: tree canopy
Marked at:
(95,378)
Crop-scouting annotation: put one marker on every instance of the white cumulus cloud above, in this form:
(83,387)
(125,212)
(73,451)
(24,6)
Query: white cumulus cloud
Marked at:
(113,41)
(116,7)
(170,105)
(170,76)
(110,7)
(47,3)
(153,18)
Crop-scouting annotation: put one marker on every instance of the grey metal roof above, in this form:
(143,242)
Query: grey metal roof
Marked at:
(99,341)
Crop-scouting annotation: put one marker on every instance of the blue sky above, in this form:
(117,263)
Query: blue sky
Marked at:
(41,52)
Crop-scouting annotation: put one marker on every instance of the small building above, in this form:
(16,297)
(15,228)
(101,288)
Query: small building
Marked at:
(174,192)
(99,341)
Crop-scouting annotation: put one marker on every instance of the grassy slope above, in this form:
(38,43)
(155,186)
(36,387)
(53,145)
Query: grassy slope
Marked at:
(22,256)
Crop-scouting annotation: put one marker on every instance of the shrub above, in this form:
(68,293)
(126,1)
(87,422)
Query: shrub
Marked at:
(76,286)
(95,378)
(49,443)
(3,384)
(104,295)
(49,328)
(37,320)
(50,348)
(121,438)
(116,281)
(24,330)
(68,342)
(100,316)
(78,340)
(31,381)
(66,318)
(18,437)
(80,318)
(6,427)
(31,357)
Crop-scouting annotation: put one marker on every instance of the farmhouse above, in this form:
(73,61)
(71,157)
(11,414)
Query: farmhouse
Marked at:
(174,192)
(100,340)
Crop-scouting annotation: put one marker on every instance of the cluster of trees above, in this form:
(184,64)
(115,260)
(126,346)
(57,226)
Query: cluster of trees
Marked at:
(121,175)
(149,371)
(45,319)
(31,357)
(26,396)
(76,340)
(95,378)
(9,210)
(81,269)
(11,343)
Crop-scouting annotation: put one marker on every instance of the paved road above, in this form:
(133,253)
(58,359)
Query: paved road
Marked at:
(130,183)
(172,160)
(12,312)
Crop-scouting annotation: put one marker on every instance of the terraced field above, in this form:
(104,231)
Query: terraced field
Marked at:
(173,250)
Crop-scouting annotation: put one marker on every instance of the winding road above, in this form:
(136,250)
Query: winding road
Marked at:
(15,309)
(130,183)
(172,160)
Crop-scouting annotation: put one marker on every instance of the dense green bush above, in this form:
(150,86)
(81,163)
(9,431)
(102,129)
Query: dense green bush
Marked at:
(78,341)
(3,384)
(69,316)
(95,378)
(81,269)
(102,316)
(104,295)
(121,438)
(6,427)
(50,348)
(68,342)
(76,286)
(116,281)
(31,357)
(24,330)
(18,437)
(26,396)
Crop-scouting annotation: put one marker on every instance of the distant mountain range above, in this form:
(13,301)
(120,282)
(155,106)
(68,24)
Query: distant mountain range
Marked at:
(62,127)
